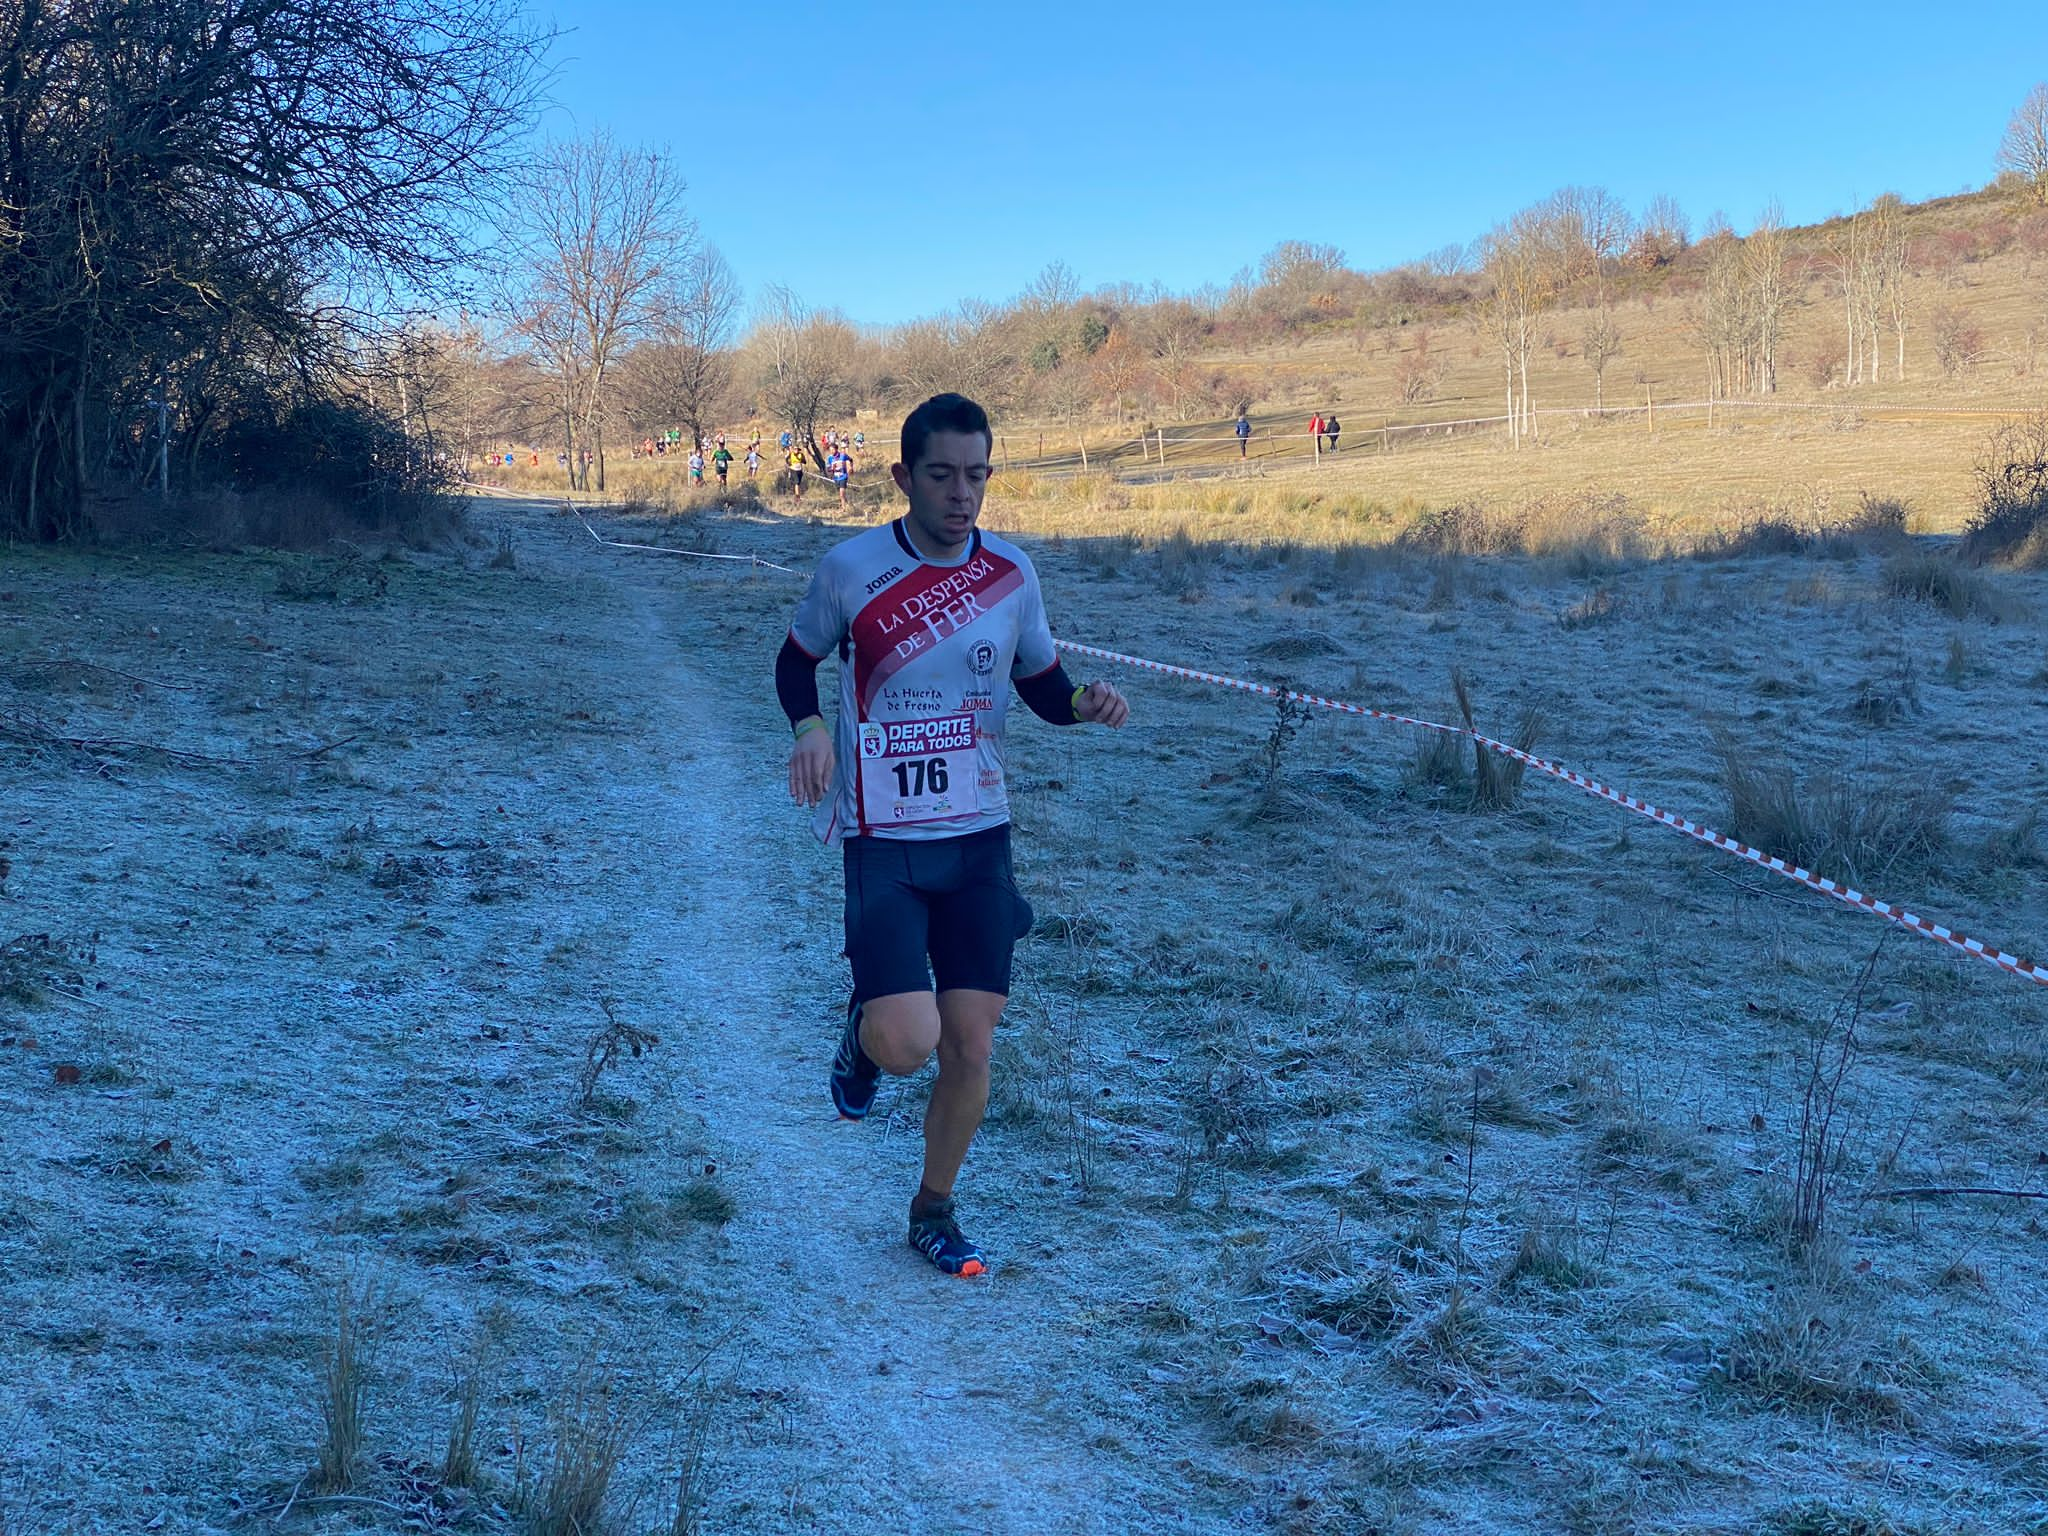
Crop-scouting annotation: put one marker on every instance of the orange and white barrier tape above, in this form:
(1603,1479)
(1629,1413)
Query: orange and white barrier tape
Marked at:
(1989,954)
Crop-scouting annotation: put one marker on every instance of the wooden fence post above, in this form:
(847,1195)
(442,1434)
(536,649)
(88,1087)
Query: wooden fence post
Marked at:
(1650,410)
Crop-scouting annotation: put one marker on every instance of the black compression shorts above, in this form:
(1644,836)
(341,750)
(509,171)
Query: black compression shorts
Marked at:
(953,899)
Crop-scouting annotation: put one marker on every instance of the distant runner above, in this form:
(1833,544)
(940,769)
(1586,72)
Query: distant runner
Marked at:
(932,621)
(795,464)
(840,467)
(721,461)
(753,460)
(1244,433)
(696,466)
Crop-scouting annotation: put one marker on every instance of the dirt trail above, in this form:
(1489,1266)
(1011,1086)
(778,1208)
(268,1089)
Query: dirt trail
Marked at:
(896,1399)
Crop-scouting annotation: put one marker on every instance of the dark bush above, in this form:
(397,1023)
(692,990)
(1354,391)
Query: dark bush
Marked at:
(2011,524)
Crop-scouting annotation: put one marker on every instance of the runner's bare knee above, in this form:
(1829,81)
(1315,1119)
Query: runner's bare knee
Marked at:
(900,1031)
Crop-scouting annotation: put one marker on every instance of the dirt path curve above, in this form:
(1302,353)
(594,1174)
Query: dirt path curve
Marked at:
(869,1393)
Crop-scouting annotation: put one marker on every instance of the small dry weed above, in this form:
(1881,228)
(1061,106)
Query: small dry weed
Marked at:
(590,1432)
(617,1037)
(345,1385)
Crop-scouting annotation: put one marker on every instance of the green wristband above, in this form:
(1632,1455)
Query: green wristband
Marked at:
(1075,702)
(808,724)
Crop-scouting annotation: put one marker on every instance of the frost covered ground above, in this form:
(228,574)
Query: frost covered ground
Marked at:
(1359,1160)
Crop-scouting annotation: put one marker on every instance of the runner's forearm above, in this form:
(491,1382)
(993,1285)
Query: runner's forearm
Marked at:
(796,681)
(1050,695)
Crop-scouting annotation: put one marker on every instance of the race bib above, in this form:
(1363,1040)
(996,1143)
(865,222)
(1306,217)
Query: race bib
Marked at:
(918,770)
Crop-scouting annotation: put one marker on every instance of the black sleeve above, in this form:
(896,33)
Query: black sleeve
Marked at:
(1050,695)
(796,681)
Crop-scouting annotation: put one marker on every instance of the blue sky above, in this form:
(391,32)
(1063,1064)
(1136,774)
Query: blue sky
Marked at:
(892,160)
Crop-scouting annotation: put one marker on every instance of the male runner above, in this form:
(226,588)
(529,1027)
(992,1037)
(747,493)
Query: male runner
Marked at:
(721,461)
(840,466)
(932,621)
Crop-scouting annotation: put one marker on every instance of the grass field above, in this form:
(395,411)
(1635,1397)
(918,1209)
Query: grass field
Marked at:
(1370,1150)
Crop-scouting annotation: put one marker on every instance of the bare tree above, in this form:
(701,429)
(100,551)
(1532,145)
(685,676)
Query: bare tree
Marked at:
(1886,282)
(805,362)
(1723,320)
(1447,261)
(1176,334)
(1419,372)
(2024,149)
(1116,366)
(681,374)
(1763,260)
(199,204)
(1520,265)
(1662,234)
(1601,344)
(604,229)
(972,350)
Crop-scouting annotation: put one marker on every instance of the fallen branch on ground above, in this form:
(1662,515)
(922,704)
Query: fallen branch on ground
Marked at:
(25,728)
(1918,1191)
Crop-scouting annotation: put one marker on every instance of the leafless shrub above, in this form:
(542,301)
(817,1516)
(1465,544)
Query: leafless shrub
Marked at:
(1823,1135)
(344,1385)
(605,1047)
(1289,716)
(505,559)
(1958,340)
(1832,822)
(2010,526)
(1236,1112)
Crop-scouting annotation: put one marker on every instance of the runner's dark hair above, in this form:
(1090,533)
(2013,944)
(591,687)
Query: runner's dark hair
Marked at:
(942,413)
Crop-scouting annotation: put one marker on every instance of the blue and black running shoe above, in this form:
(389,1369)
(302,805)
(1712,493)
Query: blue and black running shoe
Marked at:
(854,1073)
(935,1234)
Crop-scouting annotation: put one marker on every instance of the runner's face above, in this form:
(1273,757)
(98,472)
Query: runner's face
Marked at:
(945,488)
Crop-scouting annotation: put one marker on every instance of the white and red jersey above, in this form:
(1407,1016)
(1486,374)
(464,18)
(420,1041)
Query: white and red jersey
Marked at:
(926,656)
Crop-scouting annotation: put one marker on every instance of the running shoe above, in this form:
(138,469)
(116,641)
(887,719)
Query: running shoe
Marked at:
(854,1073)
(935,1234)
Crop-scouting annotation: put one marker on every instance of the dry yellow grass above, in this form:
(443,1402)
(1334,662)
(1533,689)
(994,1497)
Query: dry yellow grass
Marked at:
(1814,449)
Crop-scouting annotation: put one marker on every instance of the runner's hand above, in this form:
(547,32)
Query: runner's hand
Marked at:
(810,767)
(1101,704)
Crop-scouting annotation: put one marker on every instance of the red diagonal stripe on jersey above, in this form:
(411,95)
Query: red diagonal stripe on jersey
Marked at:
(911,608)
